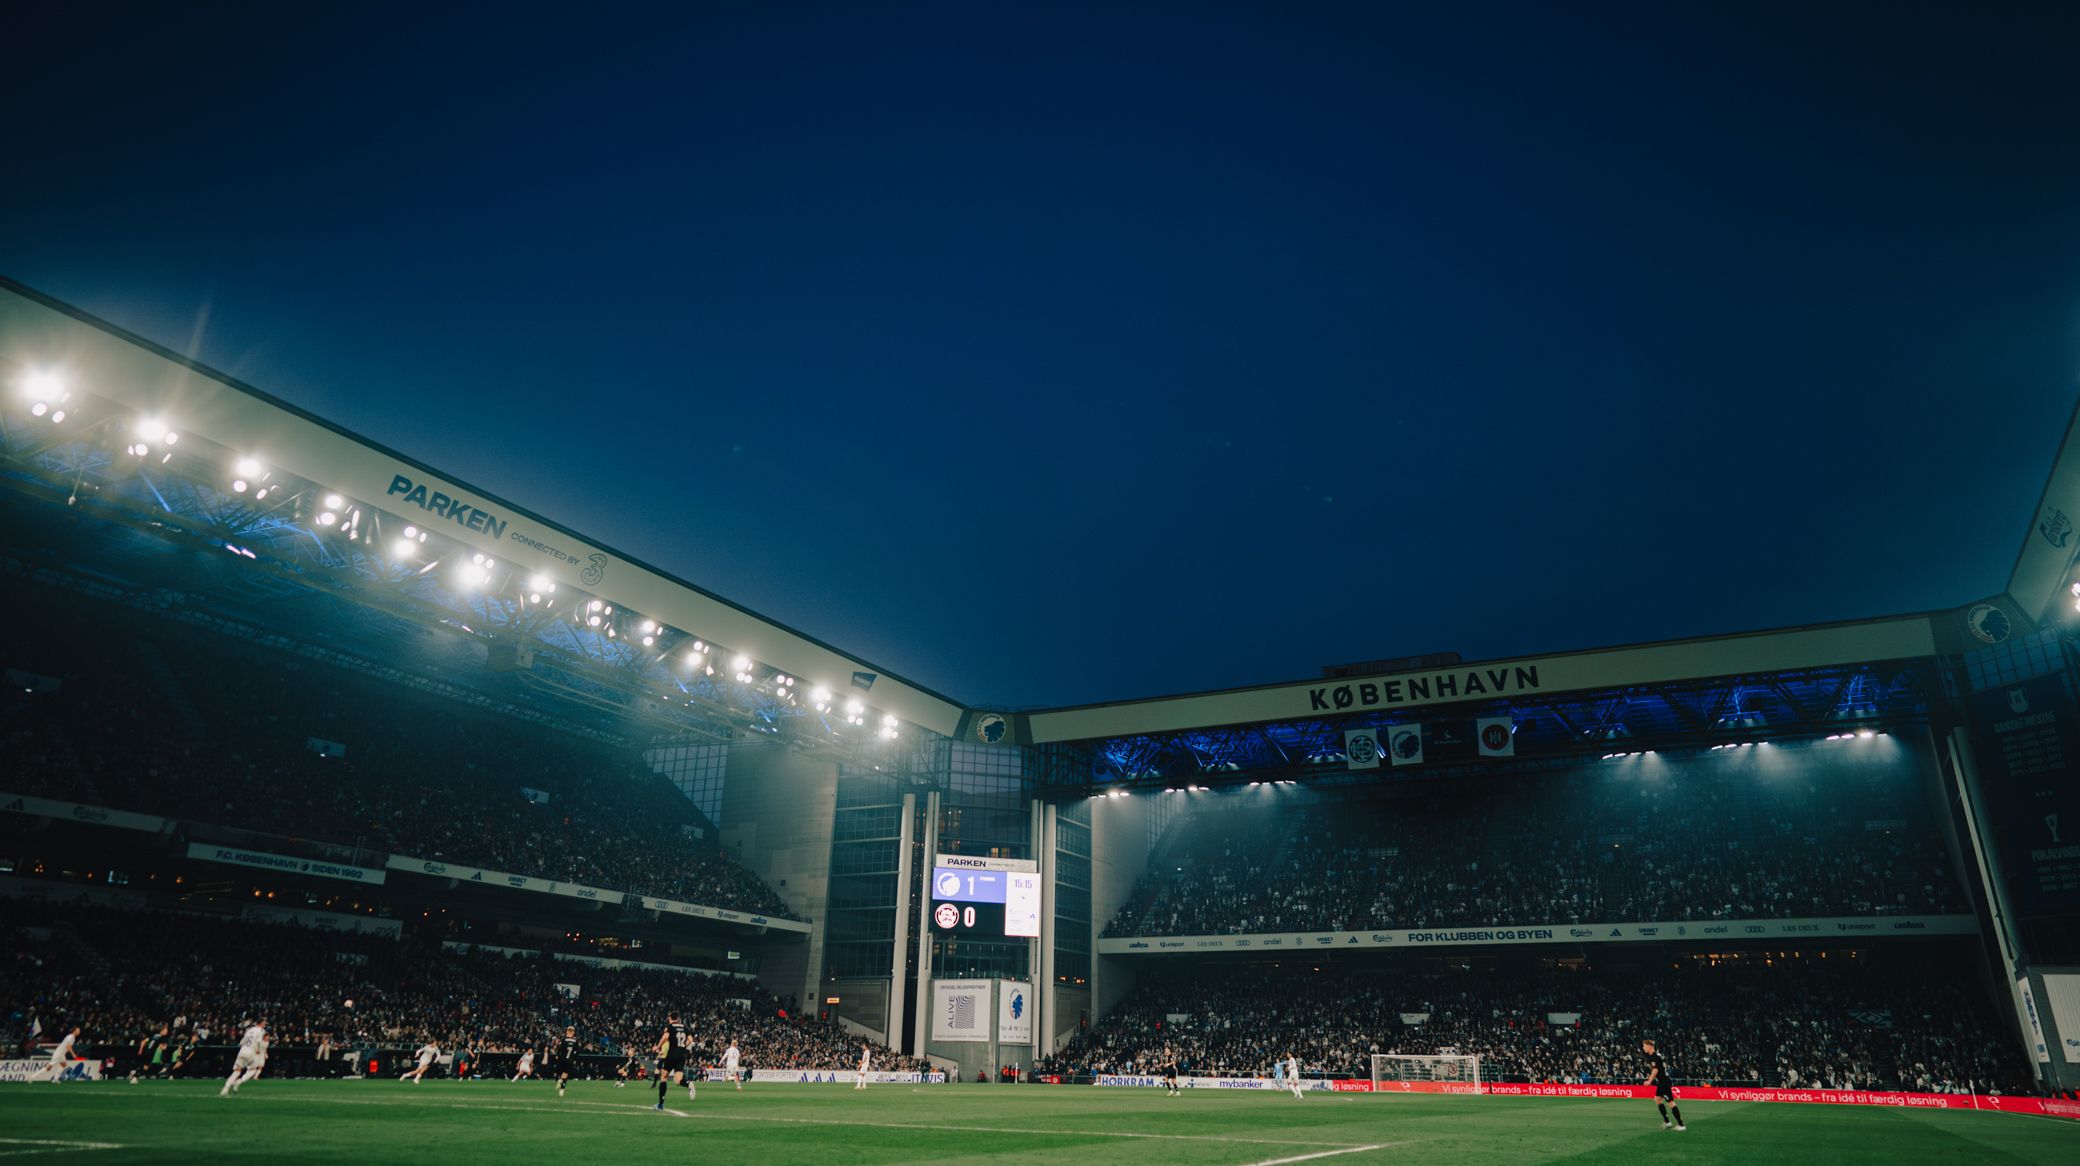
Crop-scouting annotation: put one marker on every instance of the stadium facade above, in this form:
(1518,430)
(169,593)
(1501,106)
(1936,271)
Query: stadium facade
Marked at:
(982,884)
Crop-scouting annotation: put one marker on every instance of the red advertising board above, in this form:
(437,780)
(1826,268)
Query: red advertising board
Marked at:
(2035,1105)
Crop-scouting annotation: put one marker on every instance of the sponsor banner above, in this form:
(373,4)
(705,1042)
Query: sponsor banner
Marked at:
(323,920)
(1361,748)
(2027,1001)
(285,864)
(829,1077)
(598,961)
(39,1070)
(1901,1100)
(2026,739)
(73,811)
(960,1010)
(1497,736)
(516,882)
(1689,932)
(1344,1086)
(1315,1084)
(1405,744)
(2062,996)
(1564,1019)
(1014,1013)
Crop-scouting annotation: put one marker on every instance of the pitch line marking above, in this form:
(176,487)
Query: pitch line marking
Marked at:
(1324,1154)
(51,1146)
(628,1110)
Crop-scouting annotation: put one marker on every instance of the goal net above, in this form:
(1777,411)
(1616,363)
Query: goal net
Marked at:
(1440,1073)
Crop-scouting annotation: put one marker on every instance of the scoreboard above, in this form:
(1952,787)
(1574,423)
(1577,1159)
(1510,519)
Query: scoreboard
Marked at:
(981,896)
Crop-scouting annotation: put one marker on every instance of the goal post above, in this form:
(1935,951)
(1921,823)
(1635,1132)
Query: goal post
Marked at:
(1439,1073)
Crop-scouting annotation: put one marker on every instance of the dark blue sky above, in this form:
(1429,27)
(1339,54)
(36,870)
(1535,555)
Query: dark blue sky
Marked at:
(1048,355)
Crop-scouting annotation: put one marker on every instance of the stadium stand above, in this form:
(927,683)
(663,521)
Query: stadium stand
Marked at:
(163,719)
(1577,846)
(122,974)
(1841,1021)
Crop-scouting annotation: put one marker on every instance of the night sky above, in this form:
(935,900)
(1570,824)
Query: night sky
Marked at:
(1046,355)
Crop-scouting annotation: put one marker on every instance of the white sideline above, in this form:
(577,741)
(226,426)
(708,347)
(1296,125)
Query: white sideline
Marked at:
(52,1146)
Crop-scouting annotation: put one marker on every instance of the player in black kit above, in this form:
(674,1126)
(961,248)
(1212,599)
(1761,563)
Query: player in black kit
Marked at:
(673,1051)
(566,1058)
(1664,1088)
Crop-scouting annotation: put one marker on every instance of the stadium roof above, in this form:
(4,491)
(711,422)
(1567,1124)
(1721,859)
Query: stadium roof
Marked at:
(399,537)
(119,421)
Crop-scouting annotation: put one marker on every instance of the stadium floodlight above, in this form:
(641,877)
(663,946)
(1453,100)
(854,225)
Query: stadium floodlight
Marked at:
(44,386)
(327,518)
(38,409)
(249,467)
(334,502)
(403,548)
(238,485)
(740,664)
(855,706)
(150,428)
(592,621)
(819,695)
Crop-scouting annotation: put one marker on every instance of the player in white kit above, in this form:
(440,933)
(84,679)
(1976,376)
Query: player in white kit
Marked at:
(1293,1075)
(252,1057)
(526,1068)
(866,1061)
(62,1055)
(730,1059)
(428,1054)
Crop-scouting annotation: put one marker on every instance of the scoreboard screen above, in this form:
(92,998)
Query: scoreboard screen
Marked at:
(986,902)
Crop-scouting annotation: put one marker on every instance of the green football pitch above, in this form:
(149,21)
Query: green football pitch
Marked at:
(448,1123)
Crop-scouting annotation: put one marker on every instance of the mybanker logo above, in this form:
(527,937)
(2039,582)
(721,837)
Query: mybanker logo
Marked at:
(440,505)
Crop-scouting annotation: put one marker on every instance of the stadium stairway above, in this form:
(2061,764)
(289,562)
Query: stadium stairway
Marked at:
(170,687)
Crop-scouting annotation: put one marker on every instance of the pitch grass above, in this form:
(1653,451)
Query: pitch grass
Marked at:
(449,1123)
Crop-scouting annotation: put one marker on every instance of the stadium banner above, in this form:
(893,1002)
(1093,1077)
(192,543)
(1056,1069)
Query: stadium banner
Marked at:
(26,1069)
(960,1010)
(1886,1097)
(2026,1000)
(322,920)
(1361,749)
(1497,736)
(976,862)
(828,1077)
(1859,642)
(97,815)
(1014,1013)
(674,907)
(2062,996)
(285,864)
(1688,931)
(1122,1080)
(1405,744)
(2026,739)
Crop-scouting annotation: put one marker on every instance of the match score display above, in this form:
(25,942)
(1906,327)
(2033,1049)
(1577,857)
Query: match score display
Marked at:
(980,896)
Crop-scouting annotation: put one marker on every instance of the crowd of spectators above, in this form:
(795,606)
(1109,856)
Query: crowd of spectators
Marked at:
(1836,1022)
(192,726)
(122,974)
(1720,836)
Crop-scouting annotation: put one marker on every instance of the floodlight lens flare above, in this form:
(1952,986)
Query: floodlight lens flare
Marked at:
(250,468)
(43,386)
(334,502)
